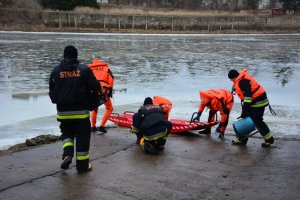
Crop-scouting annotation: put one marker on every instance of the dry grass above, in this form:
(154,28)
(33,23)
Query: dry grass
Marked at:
(26,4)
(160,12)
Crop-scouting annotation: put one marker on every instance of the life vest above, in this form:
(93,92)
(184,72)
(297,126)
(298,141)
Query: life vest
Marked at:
(256,89)
(164,103)
(152,115)
(101,72)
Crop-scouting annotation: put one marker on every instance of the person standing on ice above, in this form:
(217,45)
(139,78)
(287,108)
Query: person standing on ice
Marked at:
(151,127)
(216,100)
(74,89)
(104,75)
(254,100)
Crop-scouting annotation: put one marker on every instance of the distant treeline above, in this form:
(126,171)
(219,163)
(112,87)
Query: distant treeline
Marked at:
(210,4)
(232,5)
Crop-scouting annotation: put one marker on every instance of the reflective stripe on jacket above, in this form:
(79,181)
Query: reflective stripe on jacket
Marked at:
(83,114)
(156,136)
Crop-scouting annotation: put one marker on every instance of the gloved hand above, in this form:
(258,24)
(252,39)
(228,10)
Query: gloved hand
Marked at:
(133,130)
(244,113)
(110,92)
(246,106)
(197,118)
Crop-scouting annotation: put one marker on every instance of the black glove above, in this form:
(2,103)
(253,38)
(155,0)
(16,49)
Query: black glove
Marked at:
(110,92)
(197,118)
(244,113)
(246,106)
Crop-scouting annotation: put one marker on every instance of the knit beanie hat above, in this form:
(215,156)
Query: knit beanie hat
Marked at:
(70,52)
(148,101)
(233,74)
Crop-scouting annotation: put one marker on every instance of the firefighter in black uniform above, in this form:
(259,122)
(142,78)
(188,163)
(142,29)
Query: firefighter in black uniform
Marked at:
(151,127)
(74,90)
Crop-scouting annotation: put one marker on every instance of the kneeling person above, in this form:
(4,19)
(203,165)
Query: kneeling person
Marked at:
(151,127)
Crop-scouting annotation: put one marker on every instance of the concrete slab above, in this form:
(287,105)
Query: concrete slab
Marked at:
(191,167)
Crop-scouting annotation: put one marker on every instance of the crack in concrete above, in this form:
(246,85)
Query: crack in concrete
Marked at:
(57,172)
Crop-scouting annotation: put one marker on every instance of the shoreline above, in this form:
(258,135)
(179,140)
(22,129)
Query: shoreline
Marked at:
(38,28)
(41,140)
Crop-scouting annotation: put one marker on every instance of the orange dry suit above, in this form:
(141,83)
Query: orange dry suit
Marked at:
(254,99)
(104,75)
(164,103)
(217,100)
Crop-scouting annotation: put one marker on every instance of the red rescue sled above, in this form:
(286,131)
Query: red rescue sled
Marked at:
(179,125)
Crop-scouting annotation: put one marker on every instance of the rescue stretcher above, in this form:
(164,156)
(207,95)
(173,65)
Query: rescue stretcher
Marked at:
(179,125)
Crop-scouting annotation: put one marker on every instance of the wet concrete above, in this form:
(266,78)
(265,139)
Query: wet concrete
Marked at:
(191,167)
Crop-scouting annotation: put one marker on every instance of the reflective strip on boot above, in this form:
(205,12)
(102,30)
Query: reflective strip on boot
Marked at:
(268,136)
(236,141)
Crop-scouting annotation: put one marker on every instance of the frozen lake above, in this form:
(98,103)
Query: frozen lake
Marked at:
(173,66)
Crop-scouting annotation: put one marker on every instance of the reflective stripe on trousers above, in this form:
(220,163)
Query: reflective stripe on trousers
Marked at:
(68,142)
(82,155)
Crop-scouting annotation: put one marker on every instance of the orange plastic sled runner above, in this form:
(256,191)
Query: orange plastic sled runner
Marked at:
(179,125)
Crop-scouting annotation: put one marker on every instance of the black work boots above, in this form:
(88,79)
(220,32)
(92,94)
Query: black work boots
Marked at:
(268,142)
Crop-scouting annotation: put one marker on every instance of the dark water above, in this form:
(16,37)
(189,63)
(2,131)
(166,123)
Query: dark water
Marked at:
(174,66)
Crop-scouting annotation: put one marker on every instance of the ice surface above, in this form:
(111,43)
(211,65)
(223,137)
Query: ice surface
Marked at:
(171,65)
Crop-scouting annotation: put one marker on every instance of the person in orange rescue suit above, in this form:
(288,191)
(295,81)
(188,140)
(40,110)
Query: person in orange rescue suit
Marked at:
(104,75)
(151,127)
(216,100)
(254,100)
(74,90)
(164,103)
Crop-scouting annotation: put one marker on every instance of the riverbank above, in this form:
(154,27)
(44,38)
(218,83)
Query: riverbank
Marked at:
(61,21)
(42,28)
(191,167)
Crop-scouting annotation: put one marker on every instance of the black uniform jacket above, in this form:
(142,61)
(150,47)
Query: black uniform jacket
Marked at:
(71,85)
(150,120)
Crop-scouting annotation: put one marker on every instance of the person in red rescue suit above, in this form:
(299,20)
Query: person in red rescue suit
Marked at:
(74,89)
(104,75)
(254,100)
(216,100)
(151,127)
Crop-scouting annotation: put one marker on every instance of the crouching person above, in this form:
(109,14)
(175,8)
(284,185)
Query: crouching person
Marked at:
(151,128)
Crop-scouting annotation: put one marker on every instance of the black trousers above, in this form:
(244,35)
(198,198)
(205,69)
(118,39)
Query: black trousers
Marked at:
(81,130)
(256,114)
